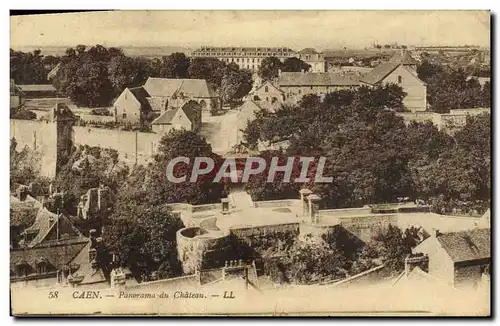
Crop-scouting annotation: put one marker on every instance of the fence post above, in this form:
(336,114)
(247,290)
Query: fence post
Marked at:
(136,148)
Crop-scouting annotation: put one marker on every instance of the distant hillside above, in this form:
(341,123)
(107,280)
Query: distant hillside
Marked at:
(150,52)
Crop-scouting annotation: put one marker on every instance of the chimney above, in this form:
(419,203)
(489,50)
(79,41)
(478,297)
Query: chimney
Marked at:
(314,201)
(304,193)
(225,205)
(22,192)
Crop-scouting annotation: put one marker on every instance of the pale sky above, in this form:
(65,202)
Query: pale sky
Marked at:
(294,29)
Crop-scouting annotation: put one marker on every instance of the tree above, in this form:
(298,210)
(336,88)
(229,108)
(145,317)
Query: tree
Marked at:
(143,238)
(486,95)
(22,113)
(89,167)
(235,84)
(294,65)
(393,246)
(84,77)
(127,72)
(269,68)
(449,88)
(174,65)
(27,68)
(150,184)
(209,69)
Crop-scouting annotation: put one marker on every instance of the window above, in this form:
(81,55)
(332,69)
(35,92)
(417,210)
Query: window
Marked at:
(41,268)
(400,79)
(237,59)
(23,269)
(266,89)
(124,115)
(300,91)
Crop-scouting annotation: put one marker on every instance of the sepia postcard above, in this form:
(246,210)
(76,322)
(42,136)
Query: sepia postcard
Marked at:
(250,163)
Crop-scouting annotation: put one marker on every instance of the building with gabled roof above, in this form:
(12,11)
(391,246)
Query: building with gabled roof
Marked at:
(132,105)
(459,258)
(267,95)
(37,91)
(158,95)
(187,117)
(404,58)
(403,75)
(52,74)
(53,251)
(297,84)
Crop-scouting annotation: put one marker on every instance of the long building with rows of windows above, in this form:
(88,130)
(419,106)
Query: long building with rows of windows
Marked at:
(244,57)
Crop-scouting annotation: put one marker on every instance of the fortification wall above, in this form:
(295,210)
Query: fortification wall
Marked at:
(265,230)
(276,203)
(315,230)
(40,136)
(133,147)
(366,227)
(198,248)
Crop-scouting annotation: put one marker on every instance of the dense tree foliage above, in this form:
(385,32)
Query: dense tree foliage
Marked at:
(236,83)
(270,67)
(88,167)
(372,155)
(210,69)
(22,114)
(150,184)
(449,88)
(142,229)
(294,65)
(28,68)
(143,238)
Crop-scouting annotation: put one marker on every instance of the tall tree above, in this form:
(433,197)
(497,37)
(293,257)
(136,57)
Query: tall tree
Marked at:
(269,68)
(294,65)
(210,69)
(236,83)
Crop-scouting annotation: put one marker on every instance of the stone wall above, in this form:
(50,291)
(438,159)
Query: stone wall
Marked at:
(40,136)
(366,227)
(198,248)
(133,147)
(265,230)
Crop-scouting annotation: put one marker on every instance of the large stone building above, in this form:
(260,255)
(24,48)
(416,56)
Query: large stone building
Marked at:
(244,57)
(400,70)
(160,94)
(313,58)
(298,84)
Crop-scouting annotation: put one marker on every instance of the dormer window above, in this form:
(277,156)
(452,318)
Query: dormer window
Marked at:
(42,267)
